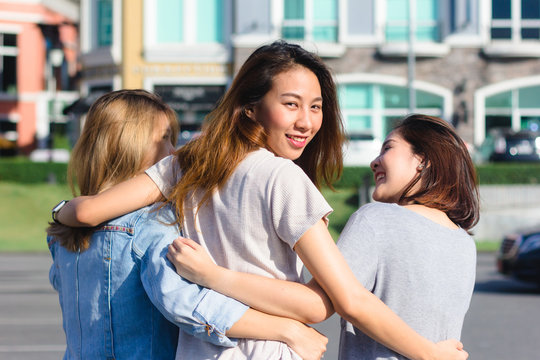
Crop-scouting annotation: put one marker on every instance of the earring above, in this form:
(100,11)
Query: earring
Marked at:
(420,167)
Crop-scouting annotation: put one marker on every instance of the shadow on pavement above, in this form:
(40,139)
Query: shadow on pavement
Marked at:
(508,286)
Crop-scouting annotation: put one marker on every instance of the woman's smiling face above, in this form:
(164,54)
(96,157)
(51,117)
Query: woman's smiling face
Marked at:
(394,169)
(291,112)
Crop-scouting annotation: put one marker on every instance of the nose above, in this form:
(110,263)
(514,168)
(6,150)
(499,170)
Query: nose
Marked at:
(304,121)
(170,148)
(374,164)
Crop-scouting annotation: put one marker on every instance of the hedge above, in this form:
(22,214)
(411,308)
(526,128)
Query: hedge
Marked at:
(22,170)
(488,174)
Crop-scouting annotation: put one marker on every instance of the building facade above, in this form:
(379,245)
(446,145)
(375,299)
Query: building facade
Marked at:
(476,62)
(38,62)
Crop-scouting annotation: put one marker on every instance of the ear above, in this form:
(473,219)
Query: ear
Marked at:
(421,163)
(250,112)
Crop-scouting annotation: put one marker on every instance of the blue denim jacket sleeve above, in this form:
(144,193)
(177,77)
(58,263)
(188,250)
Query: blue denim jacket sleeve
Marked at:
(201,312)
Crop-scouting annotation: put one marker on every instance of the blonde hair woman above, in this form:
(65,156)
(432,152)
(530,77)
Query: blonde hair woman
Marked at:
(120,297)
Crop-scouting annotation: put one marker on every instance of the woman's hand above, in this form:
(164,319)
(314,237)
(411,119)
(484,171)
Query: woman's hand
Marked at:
(451,349)
(307,342)
(192,262)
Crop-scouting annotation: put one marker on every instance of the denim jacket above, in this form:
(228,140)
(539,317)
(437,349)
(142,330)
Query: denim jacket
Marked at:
(117,296)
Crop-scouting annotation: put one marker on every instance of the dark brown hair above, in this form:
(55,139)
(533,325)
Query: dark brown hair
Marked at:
(448,180)
(229,134)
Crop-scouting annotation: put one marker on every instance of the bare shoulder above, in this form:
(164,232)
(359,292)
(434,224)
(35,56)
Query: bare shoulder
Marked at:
(432,214)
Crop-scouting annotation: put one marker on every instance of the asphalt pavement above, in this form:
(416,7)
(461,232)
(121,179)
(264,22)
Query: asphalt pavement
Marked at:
(503,322)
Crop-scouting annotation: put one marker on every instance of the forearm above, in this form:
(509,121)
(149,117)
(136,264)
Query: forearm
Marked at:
(307,303)
(305,341)
(371,316)
(120,199)
(355,303)
(258,325)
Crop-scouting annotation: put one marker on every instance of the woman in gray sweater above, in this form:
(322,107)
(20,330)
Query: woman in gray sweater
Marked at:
(412,248)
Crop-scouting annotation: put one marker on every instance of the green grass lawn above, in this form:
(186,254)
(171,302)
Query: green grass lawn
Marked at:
(26,210)
(24,214)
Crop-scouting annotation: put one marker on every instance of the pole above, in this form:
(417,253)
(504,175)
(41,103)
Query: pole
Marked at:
(411,60)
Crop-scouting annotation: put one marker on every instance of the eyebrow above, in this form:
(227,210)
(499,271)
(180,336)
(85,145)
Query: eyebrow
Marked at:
(388,141)
(319,98)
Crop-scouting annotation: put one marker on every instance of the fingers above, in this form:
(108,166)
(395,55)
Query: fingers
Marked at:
(181,242)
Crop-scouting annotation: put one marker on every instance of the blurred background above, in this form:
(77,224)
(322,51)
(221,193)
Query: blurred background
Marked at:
(474,63)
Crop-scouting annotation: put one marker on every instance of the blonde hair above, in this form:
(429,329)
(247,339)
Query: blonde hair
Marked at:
(118,131)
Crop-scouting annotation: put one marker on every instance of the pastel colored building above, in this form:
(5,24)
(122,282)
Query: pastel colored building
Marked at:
(476,62)
(38,63)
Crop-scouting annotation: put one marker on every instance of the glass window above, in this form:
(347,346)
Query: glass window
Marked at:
(497,121)
(515,25)
(427,27)
(428,100)
(530,123)
(515,109)
(530,9)
(8,63)
(395,97)
(528,97)
(501,100)
(501,9)
(169,26)
(104,22)
(207,21)
(356,96)
(373,109)
(310,20)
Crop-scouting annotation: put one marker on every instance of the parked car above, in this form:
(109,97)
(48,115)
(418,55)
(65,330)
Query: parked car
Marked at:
(508,145)
(519,256)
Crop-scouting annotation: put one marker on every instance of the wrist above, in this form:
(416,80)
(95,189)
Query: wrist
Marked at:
(217,276)
(55,212)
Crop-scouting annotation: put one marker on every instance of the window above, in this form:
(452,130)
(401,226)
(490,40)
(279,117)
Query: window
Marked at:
(371,110)
(192,103)
(104,23)
(515,20)
(8,63)
(427,24)
(517,109)
(189,21)
(313,20)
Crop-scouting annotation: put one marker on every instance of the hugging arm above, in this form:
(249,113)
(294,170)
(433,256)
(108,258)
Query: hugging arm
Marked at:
(120,199)
(207,314)
(304,302)
(359,306)
(350,299)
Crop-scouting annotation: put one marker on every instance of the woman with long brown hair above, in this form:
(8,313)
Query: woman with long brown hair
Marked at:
(246,190)
(119,295)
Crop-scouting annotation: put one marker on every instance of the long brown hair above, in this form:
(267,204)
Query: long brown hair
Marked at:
(228,134)
(448,180)
(117,134)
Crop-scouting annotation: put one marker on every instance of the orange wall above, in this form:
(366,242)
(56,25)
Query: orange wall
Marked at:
(31,62)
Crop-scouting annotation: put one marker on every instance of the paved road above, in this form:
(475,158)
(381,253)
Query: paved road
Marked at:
(503,322)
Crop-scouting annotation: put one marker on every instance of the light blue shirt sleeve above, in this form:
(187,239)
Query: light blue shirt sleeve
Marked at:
(198,311)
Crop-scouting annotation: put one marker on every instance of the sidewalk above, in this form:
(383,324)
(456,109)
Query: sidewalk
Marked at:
(30,317)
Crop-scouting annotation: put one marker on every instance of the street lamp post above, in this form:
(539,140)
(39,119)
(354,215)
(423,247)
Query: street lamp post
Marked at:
(411,60)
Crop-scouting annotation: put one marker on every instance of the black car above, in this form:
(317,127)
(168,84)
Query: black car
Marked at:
(507,145)
(519,256)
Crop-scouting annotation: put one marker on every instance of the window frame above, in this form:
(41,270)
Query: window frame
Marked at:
(9,51)
(189,49)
